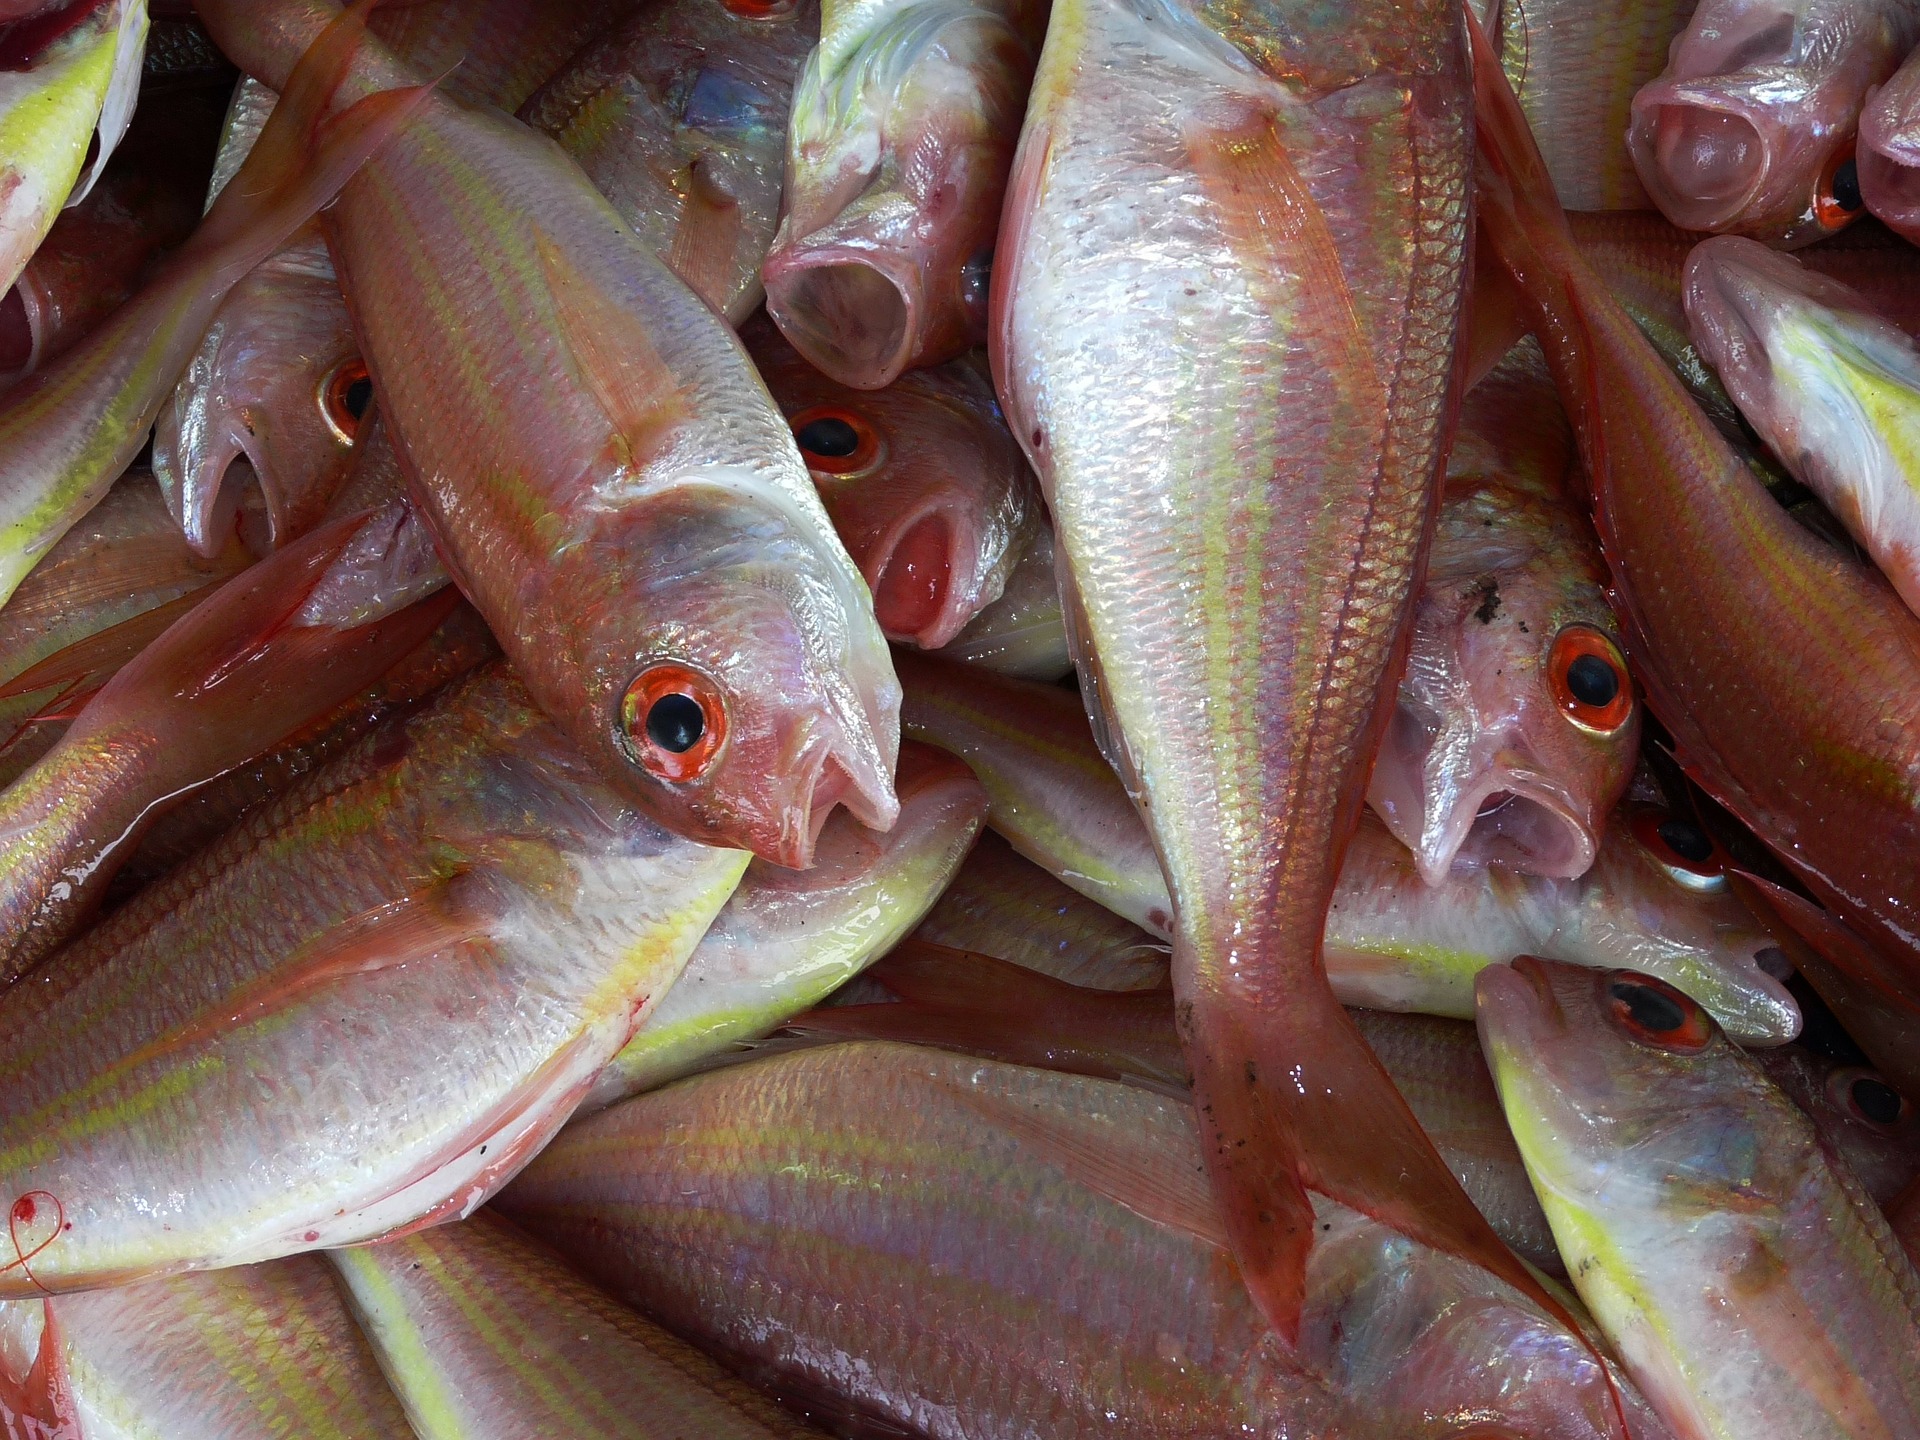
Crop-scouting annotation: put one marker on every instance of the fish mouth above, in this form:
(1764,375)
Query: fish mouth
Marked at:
(1513,819)
(1702,157)
(854,317)
(869,798)
(918,594)
(1512,1000)
(1887,159)
(1729,298)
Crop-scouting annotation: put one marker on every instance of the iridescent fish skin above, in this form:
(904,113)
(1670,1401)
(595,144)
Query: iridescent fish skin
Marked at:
(1888,155)
(897,159)
(679,116)
(1515,729)
(927,489)
(1742,1273)
(1750,128)
(1831,386)
(1859,1114)
(458,907)
(487,1336)
(787,939)
(234,1354)
(1024,632)
(638,528)
(1066,1219)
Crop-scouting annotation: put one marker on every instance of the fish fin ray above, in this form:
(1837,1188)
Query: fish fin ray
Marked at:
(705,238)
(41,1405)
(92,659)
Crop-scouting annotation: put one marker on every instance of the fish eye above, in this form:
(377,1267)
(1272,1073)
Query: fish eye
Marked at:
(1681,848)
(1837,199)
(835,441)
(344,397)
(1865,1095)
(673,721)
(1653,1013)
(1589,679)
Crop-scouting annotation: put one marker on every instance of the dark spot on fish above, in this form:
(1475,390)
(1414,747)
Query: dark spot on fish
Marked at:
(311,1236)
(1523,627)
(1650,1009)
(676,723)
(829,436)
(1846,185)
(1876,1100)
(1774,961)
(1326,1227)
(1686,839)
(1253,1074)
(1039,439)
(1157,918)
(1488,590)
(483,1149)
(1192,291)
(1592,681)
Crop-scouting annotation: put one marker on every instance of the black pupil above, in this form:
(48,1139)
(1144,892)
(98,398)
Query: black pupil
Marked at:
(1687,840)
(1651,1011)
(835,439)
(1846,185)
(676,723)
(359,395)
(1591,681)
(1877,1101)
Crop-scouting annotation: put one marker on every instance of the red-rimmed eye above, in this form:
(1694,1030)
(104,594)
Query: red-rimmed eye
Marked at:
(344,397)
(1654,1013)
(1684,850)
(1865,1095)
(1589,679)
(835,441)
(674,720)
(759,9)
(1836,199)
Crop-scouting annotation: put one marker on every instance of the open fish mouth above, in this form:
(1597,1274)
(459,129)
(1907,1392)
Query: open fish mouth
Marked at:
(1702,157)
(1514,820)
(851,314)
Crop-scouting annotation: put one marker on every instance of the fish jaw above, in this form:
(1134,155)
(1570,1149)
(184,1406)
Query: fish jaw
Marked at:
(1832,387)
(1888,154)
(1755,111)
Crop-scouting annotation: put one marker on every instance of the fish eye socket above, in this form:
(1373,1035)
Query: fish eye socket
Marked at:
(1837,198)
(1589,679)
(1653,1013)
(1866,1096)
(835,441)
(673,720)
(344,397)
(1681,848)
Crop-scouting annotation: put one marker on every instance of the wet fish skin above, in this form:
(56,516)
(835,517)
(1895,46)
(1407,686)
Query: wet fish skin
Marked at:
(1740,1270)
(933,499)
(897,159)
(1491,756)
(1749,128)
(487,1336)
(1888,153)
(1859,1113)
(678,114)
(621,471)
(458,907)
(1024,632)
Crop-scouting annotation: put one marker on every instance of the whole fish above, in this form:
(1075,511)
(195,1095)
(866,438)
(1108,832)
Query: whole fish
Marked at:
(66,78)
(1010,1251)
(1750,128)
(1860,1115)
(678,114)
(1515,729)
(638,528)
(1787,672)
(1743,1275)
(362,1010)
(789,938)
(486,1336)
(1576,65)
(929,492)
(235,1354)
(1831,386)
(897,158)
(1888,156)
(69,430)
(1024,632)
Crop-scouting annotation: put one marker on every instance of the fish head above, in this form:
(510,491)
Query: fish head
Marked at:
(1515,728)
(1859,1112)
(1887,157)
(1750,129)
(723,681)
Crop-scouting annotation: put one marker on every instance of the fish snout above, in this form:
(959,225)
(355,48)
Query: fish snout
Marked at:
(1703,156)
(1887,157)
(1512,815)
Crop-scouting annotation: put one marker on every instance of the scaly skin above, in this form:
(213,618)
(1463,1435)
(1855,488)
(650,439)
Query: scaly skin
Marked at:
(1024,632)
(1742,1274)
(641,508)
(456,909)
(231,1355)
(486,1336)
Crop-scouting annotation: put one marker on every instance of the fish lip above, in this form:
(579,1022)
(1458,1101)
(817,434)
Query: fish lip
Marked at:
(1654,152)
(811,288)
(832,775)
(930,624)
(1728,304)
(1515,999)
(1441,844)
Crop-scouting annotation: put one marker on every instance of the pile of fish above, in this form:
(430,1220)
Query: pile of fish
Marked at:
(960,718)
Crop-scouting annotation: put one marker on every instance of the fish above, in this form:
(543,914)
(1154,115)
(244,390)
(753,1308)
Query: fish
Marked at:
(1024,632)
(639,531)
(929,492)
(1576,66)
(71,77)
(789,938)
(487,1336)
(231,1354)
(1740,1271)
(678,114)
(898,152)
(1514,731)
(1017,1251)
(1750,128)
(1830,385)
(1786,671)
(389,988)
(69,430)
(1887,154)
(1859,1113)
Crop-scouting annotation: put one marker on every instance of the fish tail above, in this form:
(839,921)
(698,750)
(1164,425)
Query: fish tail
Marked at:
(304,155)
